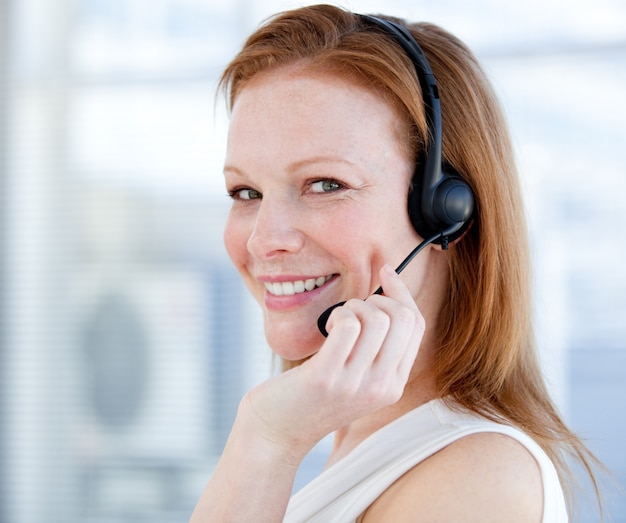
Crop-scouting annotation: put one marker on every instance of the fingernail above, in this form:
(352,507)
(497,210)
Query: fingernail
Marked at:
(389,270)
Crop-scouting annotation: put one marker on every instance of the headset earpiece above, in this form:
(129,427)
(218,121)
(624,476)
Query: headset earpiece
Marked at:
(449,207)
(453,202)
(439,200)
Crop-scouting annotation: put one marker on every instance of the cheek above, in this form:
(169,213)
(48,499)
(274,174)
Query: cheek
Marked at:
(359,242)
(236,240)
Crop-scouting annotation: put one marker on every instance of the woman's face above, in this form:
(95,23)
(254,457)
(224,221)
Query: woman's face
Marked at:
(319,181)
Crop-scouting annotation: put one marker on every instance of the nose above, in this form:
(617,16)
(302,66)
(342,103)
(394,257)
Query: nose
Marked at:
(276,229)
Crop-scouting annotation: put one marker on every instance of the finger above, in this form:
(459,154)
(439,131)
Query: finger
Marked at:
(394,287)
(344,328)
(403,336)
(374,328)
(407,323)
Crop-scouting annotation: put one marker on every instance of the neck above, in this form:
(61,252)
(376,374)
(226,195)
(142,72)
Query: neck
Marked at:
(419,390)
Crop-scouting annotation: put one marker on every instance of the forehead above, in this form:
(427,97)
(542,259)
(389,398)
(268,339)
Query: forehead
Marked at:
(306,91)
(291,104)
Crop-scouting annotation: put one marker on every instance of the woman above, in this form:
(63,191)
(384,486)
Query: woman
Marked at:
(431,385)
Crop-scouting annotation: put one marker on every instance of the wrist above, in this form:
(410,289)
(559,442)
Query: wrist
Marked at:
(281,445)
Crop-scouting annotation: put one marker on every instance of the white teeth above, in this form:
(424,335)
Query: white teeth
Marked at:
(289,288)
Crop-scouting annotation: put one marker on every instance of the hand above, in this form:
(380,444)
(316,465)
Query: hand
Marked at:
(363,366)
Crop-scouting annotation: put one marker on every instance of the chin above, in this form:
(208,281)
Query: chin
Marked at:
(291,344)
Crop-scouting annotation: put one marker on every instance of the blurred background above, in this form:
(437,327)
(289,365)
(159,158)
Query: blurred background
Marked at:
(127,340)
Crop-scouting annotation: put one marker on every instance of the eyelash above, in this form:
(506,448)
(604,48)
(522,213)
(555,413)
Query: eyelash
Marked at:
(235,193)
(338,185)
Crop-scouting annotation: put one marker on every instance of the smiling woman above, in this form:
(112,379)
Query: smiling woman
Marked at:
(339,162)
(307,182)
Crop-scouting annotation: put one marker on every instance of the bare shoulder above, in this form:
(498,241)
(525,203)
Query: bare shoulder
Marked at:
(486,477)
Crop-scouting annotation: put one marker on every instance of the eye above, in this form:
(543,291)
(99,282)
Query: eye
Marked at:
(244,194)
(322,186)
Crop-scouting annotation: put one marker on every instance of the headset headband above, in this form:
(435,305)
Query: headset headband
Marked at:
(440,201)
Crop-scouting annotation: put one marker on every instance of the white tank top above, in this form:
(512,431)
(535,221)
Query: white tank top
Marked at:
(345,490)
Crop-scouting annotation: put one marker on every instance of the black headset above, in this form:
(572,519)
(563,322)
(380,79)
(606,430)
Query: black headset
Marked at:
(440,202)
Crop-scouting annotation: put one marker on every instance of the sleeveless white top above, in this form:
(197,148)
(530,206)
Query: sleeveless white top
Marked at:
(342,492)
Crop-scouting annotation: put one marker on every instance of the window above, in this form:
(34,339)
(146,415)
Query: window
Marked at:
(128,338)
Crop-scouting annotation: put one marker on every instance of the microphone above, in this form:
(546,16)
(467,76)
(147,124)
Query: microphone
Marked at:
(323,319)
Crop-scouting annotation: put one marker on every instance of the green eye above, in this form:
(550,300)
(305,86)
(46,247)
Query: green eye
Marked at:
(245,194)
(325,186)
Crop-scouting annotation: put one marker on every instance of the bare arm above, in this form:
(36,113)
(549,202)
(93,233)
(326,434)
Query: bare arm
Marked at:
(252,481)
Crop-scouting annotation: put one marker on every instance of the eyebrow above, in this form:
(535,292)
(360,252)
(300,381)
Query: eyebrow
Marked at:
(232,169)
(298,164)
(319,159)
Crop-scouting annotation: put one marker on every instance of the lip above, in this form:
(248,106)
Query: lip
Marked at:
(277,302)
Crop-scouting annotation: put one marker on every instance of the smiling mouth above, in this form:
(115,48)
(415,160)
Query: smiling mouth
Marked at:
(290,288)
